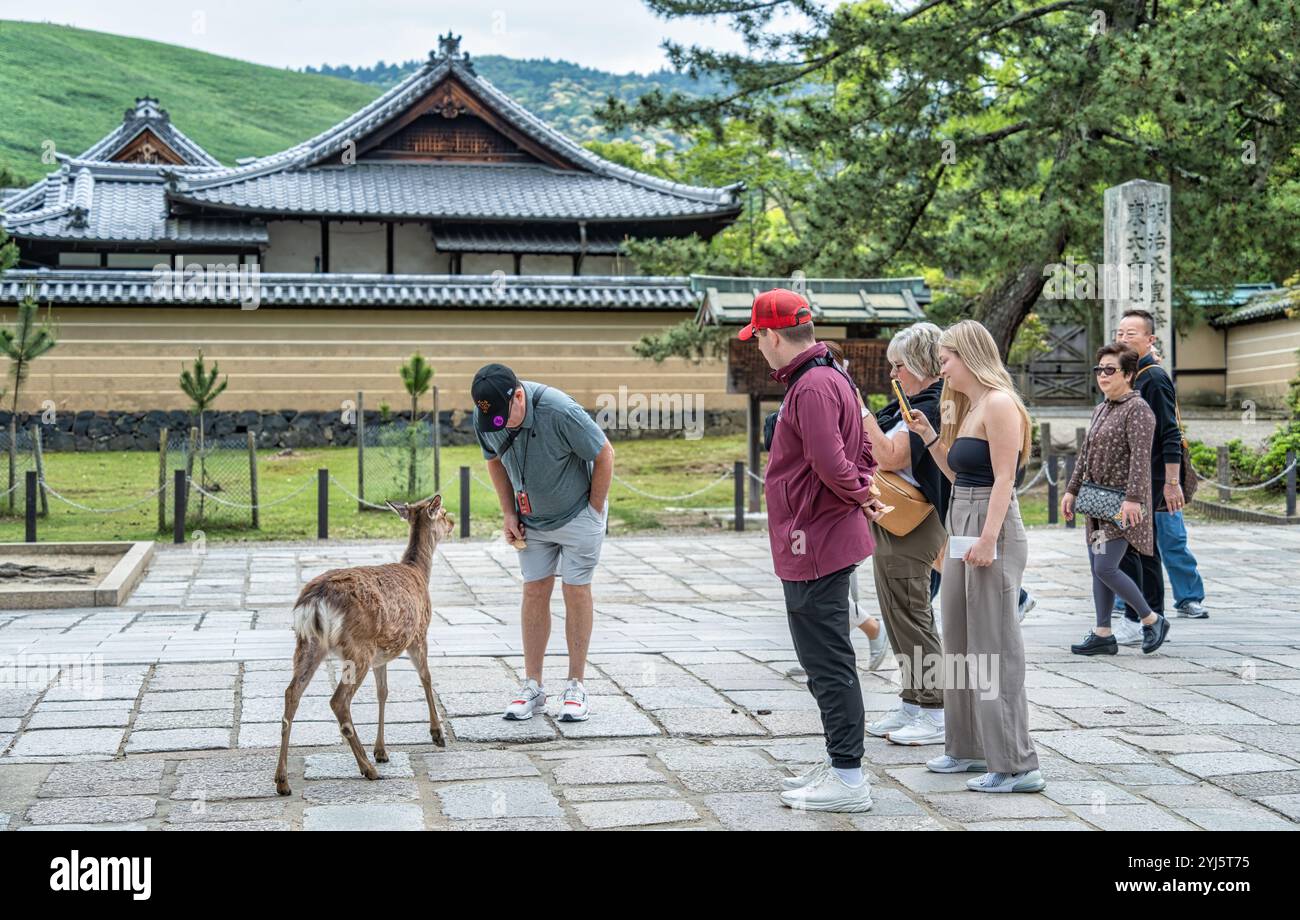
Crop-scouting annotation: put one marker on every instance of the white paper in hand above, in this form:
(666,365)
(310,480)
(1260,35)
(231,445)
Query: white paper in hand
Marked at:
(959,546)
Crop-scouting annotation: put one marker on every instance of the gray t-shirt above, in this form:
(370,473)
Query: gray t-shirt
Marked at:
(551,458)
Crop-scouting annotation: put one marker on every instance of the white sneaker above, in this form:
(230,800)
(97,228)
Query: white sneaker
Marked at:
(1126,631)
(829,793)
(573,706)
(924,729)
(890,723)
(945,764)
(1031,781)
(878,647)
(808,776)
(530,699)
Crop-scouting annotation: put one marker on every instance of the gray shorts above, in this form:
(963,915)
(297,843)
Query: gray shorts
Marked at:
(570,550)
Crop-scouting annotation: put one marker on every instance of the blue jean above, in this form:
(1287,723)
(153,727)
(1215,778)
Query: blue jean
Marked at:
(1171,537)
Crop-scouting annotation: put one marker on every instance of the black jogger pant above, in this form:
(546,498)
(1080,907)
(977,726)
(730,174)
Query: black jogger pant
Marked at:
(818,613)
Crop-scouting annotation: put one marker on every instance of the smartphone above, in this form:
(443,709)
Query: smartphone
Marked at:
(902,399)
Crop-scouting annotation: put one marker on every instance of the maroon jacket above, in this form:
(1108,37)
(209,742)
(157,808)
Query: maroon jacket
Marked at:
(818,475)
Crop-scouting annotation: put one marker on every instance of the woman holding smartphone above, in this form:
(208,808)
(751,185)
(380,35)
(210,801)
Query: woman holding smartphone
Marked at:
(983,439)
(1117,455)
(903,565)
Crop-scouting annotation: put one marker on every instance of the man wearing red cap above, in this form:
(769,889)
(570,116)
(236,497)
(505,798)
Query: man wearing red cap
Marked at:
(819,505)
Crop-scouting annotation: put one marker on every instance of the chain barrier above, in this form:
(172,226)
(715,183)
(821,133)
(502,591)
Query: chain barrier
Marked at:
(80,507)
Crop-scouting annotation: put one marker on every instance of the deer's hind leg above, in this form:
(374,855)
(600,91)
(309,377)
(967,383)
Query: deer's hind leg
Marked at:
(355,666)
(381,692)
(419,652)
(307,656)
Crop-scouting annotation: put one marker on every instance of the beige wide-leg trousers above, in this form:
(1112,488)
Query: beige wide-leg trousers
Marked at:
(985,709)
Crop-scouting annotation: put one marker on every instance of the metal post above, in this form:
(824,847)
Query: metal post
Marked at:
(437,444)
(1290,484)
(13,458)
(1069,474)
(39,455)
(162,481)
(322,504)
(361,450)
(754,430)
(1053,490)
(31,506)
(1225,474)
(178,519)
(464,502)
(739,473)
(252,476)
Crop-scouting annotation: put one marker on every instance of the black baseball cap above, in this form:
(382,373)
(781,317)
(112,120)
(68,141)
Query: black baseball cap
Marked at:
(493,386)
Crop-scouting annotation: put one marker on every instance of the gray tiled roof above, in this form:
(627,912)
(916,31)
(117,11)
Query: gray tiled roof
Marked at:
(280,181)
(107,287)
(505,239)
(834,301)
(148,114)
(510,191)
(97,202)
(1271,303)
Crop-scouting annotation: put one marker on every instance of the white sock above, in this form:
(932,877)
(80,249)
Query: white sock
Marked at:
(935,715)
(851,776)
(911,709)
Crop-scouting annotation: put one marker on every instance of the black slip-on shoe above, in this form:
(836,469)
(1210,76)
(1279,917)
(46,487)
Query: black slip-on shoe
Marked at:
(1094,644)
(1153,636)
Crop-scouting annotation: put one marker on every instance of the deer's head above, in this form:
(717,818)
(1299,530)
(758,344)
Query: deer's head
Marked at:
(428,510)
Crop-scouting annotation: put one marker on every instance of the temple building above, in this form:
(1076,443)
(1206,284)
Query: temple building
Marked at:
(442,217)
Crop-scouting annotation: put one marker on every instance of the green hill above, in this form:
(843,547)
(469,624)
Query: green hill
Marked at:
(70,86)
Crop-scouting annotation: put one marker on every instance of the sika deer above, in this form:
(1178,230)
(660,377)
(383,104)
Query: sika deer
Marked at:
(367,616)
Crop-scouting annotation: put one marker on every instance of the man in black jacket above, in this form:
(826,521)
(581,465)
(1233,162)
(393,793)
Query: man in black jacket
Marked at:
(1137,330)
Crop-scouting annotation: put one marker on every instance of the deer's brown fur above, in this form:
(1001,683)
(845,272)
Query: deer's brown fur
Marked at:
(367,616)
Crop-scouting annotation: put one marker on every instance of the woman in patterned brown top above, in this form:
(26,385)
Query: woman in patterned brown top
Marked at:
(1117,453)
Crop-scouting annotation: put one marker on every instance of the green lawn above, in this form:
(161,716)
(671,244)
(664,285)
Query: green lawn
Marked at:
(112,480)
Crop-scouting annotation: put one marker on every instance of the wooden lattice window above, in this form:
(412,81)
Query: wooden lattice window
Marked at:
(748,371)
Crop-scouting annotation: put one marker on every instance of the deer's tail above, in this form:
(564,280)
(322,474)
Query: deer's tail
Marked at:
(316,618)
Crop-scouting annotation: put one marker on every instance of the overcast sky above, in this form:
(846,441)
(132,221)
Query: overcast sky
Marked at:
(614,35)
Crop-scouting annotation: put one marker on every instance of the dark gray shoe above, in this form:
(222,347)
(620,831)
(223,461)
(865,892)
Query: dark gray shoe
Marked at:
(1153,636)
(1094,644)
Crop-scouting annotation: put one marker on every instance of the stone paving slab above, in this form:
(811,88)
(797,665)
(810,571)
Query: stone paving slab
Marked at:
(698,705)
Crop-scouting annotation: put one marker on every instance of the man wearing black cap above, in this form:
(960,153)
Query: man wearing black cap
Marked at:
(551,466)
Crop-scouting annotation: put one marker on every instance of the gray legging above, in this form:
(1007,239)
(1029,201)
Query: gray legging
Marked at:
(1108,581)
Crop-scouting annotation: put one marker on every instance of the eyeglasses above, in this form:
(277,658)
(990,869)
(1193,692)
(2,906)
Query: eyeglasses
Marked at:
(1105,370)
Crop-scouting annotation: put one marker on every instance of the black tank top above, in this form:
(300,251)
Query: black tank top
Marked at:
(969,459)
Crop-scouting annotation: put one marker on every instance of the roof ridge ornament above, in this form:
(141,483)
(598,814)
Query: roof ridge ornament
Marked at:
(448,48)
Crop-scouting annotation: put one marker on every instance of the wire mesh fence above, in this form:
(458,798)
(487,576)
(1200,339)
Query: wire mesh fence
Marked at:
(18,448)
(397,461)
(221,473)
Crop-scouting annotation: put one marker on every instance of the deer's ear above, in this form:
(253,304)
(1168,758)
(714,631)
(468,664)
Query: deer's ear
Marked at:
(401,509)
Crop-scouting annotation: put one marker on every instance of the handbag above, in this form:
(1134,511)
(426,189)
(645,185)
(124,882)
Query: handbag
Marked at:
(1098,501)
(910,505)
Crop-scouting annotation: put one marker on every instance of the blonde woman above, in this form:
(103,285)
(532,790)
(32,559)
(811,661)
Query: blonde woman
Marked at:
(981,444)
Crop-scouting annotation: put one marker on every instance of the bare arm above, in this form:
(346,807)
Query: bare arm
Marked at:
(891,453)
(602,472)
(1002,426)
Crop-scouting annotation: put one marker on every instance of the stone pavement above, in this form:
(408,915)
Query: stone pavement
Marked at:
(696,714)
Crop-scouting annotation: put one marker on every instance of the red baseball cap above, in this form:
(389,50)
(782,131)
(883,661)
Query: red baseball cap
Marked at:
(777,309)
